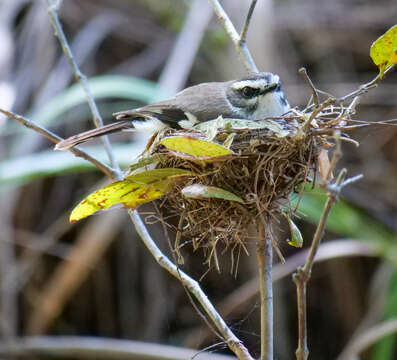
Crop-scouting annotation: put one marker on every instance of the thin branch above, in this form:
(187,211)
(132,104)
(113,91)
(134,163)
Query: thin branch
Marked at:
(192,285)
(302,275)
(335,158)
(316,99)
(300,279)
(243,35)
(239,299)
(81,78)
(107,170)
(265,260)
(241,47)
(346,112)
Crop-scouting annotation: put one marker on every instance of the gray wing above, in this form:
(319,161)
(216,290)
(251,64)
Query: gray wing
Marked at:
(165,111)
(204,101)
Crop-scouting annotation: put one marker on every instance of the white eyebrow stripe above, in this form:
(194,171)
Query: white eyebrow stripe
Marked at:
(256,84)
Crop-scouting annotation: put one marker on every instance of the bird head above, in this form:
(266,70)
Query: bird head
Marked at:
(257,96)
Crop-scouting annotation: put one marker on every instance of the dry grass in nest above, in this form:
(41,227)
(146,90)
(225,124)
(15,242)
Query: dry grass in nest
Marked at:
(264,171)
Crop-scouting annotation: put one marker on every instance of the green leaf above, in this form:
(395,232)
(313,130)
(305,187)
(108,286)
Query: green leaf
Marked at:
(195,149)
(133,191)
(346,220)
(296,236)
(198,191)
(385,348)
(384,50)
(143,162)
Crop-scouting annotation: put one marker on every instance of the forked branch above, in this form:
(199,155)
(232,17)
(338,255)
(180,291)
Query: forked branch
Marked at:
(302,275)
(241,46)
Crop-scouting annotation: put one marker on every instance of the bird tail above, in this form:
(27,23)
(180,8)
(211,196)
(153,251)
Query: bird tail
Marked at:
(90,134)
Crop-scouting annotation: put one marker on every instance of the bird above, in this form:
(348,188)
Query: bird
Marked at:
(253,97)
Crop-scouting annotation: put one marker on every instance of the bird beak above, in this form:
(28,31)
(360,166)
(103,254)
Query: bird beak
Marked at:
(269,88)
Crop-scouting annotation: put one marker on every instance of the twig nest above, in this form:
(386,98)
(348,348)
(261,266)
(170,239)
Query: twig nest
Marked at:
(265,163)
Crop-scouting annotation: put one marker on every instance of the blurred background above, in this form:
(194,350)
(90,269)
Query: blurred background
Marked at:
(95,277)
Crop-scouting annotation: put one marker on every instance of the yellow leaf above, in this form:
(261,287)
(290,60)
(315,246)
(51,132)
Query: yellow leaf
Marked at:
(133,191)
(151,176)
(195,149)
(384,50)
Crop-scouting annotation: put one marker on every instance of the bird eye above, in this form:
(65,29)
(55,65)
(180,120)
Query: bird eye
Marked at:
(249,92)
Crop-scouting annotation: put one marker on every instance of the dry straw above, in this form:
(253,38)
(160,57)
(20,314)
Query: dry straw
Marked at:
(268,165)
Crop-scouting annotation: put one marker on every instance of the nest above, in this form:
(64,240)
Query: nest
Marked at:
(267,166)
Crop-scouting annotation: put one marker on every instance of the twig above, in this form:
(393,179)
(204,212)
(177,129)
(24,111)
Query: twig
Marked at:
(81,78)
(243,35)
(335,158)
(346,112)
(192,285)
(265,259)
(302,275)
(235,302)
(316,99)
(241,47)
(369,338)
(301,278)
(107,170)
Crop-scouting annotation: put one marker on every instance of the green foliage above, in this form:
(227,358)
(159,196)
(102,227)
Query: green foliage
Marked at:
(346,220)
(385,348)
(197,191)
(296,236)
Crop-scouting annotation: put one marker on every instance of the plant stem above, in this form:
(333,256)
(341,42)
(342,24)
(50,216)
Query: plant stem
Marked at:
(82,79)
(241,46)
(107,170)
(243,35)
(265,259)
(302,275)
(192,285)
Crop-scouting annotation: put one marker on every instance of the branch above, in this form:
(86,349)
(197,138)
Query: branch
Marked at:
(241,46)
(243,35)
(81,78)
(316,99)
(302,275)
(235,302)
(192,285)
(265,259)
(111,173)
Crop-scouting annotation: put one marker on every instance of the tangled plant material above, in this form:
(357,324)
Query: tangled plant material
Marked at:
(266,167)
